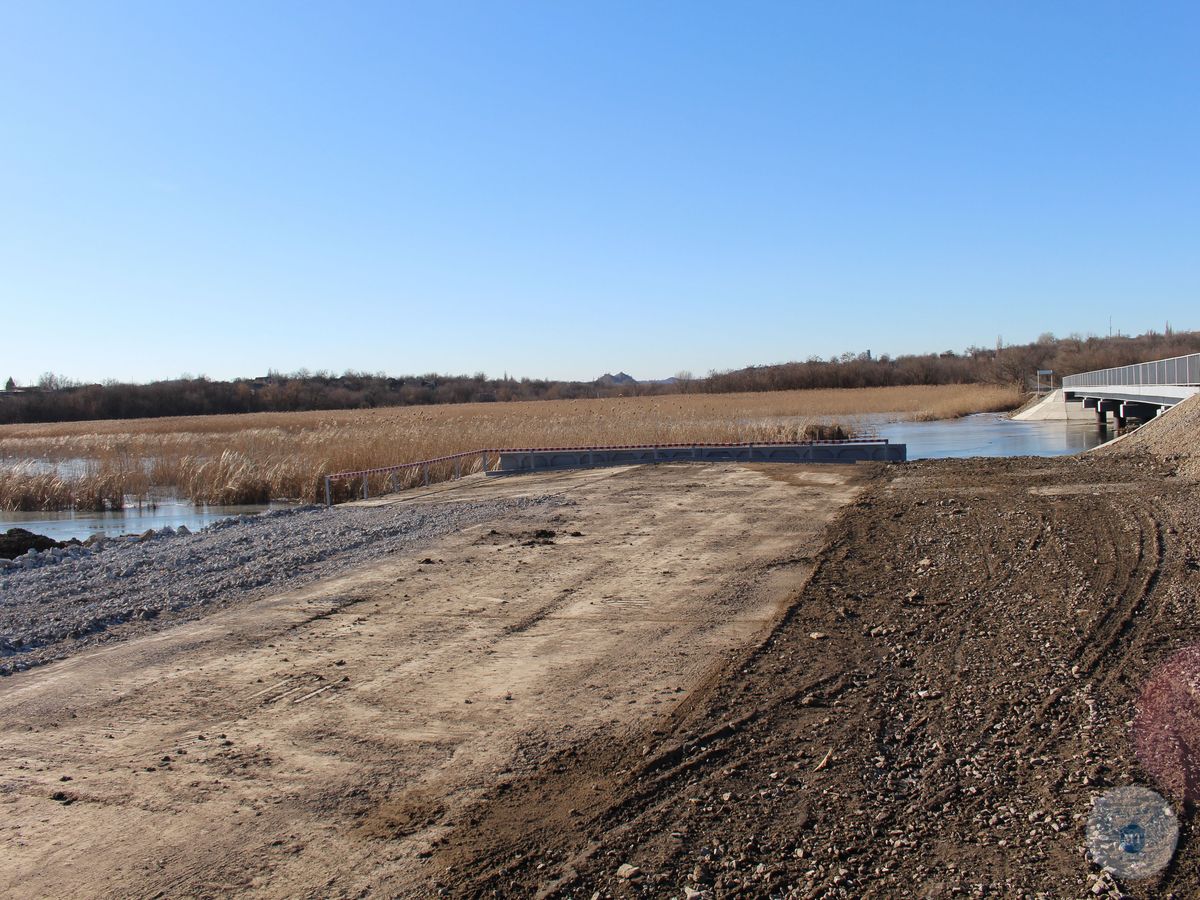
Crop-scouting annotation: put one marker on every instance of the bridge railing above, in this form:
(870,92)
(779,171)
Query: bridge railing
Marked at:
(1178,370)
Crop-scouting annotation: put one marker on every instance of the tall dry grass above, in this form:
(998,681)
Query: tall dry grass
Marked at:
(263,456)
(979,399)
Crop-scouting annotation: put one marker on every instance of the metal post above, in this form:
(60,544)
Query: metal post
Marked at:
(328,495)
(425,473)
(458,468)
(365,494)
(485,462)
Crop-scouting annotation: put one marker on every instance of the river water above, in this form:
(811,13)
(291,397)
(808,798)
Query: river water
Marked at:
(980,435)
(990,434)
(133,519)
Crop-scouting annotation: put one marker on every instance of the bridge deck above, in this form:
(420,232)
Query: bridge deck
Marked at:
(1141,390)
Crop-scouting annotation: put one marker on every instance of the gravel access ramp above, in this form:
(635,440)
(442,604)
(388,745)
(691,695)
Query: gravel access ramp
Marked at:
(330,738)
(119,588)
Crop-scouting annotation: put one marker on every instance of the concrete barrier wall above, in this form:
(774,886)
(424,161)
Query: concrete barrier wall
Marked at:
(847,452)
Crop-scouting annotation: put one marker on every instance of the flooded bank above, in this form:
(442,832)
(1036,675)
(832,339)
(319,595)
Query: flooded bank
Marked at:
(985,434)
(990,434)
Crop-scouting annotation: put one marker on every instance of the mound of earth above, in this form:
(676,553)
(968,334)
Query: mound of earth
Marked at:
(1174,437)
(18,541)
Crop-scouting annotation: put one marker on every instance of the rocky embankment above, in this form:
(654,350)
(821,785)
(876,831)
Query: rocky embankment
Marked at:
(56,600)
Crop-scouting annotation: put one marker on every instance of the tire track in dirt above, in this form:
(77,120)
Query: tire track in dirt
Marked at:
(949,749)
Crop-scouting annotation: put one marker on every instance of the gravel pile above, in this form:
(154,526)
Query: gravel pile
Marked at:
(1174,436)
(56,601)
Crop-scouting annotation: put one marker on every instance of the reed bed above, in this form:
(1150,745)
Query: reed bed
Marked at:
(271,456)
(981,399)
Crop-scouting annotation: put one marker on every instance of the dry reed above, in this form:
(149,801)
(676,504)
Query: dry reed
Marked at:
(257,457)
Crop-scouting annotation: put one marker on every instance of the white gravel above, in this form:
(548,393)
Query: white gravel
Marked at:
(59,601)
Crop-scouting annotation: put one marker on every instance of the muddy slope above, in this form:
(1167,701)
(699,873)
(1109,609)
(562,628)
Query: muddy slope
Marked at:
(933,717)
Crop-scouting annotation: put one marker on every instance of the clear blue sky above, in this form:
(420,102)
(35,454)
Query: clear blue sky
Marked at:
(566,188)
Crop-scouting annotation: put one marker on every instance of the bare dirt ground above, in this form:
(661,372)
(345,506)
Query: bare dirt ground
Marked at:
(932,717)
(345,738)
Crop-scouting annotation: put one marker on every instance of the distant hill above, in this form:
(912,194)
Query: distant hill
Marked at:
(609,380)
(620,378)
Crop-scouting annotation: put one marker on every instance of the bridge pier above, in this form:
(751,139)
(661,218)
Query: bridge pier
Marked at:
(1104,407)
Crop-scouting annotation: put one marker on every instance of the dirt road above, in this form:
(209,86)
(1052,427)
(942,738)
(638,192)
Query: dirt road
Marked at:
(933,718)
(332,741)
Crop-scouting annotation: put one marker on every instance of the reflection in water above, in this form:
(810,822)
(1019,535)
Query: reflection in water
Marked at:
(989,434)
(171,512)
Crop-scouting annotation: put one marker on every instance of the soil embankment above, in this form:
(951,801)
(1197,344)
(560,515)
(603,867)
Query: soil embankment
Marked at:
(18,541)
(1173,437)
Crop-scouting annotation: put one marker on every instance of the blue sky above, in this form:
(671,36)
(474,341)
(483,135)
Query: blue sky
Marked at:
(566,188)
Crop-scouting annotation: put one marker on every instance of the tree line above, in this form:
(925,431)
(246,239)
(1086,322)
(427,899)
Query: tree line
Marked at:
(56,398)
(1015,364)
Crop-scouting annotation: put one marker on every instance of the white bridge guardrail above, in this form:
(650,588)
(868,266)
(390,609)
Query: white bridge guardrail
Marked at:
(456,465)
(1178,370)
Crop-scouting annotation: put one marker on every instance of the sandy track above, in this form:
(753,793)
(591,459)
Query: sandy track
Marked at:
(325,741)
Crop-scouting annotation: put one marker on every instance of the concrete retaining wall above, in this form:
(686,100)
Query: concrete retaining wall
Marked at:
(846,452)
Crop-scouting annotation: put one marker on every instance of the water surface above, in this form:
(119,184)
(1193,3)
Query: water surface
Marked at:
(990,434)
(134,519)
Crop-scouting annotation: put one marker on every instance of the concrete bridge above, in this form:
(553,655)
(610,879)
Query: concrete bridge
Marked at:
(1141,391)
